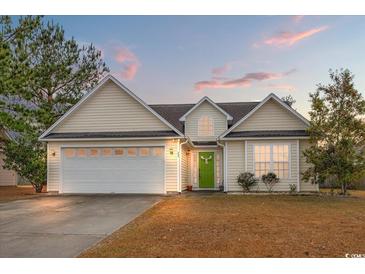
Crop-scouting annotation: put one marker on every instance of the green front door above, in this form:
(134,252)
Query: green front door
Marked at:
(206,169)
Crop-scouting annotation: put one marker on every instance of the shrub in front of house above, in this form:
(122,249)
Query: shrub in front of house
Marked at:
(292,188)
(247,180)
(270,180)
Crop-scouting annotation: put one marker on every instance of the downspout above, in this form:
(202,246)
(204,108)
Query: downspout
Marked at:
(180,155)
(224,165)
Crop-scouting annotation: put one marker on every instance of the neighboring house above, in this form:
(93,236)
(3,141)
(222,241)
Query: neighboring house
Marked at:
(113,142)
(7,177)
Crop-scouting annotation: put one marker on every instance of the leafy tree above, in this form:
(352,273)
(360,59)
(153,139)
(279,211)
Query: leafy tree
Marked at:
(270,180)
(246,180)
(42,74)
(337,132)
(289,100)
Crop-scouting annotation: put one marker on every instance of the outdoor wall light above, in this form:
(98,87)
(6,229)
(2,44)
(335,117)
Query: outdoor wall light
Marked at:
(171,151)
(53,153)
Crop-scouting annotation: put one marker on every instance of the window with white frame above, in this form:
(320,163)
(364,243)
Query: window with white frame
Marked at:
(272,158)
(205,126)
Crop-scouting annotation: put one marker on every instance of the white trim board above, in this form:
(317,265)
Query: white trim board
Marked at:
(111,139)
(88,95)
(270,96)
(202,100)
(265,138)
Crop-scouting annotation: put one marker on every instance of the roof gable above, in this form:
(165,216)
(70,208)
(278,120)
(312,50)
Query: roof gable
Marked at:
(110,106)
(283,109)
(206,99)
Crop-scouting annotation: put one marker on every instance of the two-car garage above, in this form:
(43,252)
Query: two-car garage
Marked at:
(112,170)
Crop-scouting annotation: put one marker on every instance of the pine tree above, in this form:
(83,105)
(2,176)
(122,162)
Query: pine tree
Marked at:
(42,74)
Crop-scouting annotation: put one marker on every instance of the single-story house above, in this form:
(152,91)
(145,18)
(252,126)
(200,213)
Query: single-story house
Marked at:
(111,141)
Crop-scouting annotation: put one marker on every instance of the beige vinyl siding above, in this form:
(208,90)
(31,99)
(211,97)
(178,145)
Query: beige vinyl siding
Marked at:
(235,163)
(185,156)
(191,122)
(7,177)
(110,109)
(171,160)
(53,166)
(171,166)
(271,116)
(305,186)
(283,184)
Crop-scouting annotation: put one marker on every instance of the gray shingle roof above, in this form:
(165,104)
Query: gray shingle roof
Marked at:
(173,112)
(170,112)
(125,134)
(268,133)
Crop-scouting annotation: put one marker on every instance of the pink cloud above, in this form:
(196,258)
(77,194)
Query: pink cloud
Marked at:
(129,71)
(123,54)
(290,38)
(244,81)
(221,70)
(129,60)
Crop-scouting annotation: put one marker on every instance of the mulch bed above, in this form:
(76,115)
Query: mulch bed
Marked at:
(11,193)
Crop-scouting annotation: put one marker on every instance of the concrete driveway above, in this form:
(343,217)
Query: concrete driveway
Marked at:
(64,226)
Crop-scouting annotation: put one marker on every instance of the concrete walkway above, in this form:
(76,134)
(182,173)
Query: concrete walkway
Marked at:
(64,226)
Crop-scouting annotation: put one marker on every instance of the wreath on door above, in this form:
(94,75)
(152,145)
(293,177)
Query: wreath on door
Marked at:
(206,159)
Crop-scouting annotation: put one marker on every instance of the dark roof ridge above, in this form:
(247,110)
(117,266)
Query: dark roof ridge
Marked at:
(232,103)
(193,104)
(168,105)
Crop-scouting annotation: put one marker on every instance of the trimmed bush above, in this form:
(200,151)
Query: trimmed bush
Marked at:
(246,180)
(270,180)
(293,188)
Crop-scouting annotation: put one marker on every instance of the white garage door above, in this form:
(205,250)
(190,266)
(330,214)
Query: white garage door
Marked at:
(113,170)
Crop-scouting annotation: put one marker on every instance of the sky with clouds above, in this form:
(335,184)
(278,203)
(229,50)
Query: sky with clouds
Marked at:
(179,59)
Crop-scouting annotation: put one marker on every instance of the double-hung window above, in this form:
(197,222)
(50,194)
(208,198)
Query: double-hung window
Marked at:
(271,158)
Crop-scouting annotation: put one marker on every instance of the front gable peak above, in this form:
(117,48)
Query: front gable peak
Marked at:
(110,106)
(201,101)
(271,113)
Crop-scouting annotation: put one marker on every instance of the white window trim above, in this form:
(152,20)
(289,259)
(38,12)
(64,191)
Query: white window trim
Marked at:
(271,157)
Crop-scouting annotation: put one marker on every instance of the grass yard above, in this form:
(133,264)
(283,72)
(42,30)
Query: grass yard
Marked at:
(11,193)
(242,226)
(353,193)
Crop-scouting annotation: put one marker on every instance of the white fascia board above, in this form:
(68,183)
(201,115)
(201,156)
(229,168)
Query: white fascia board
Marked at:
(205,98)
(265,138)
(86,96)
(109,139)
(270,96)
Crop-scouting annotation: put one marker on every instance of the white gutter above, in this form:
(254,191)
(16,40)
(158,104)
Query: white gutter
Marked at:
(180,155)
(224,165)
(264,138)
(298,166)
(108,139)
